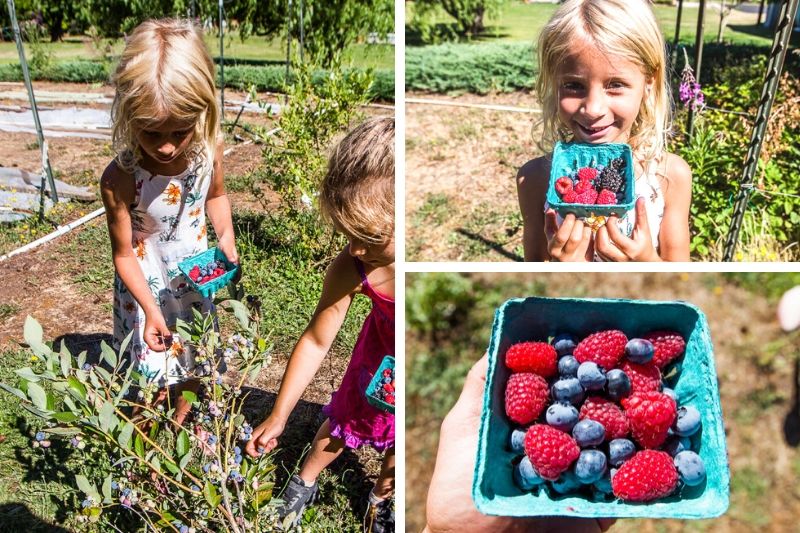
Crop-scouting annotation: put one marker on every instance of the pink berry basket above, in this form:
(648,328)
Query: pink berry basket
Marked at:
(694,380)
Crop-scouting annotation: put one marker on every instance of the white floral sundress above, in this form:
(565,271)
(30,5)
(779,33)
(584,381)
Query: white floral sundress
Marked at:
(169,225)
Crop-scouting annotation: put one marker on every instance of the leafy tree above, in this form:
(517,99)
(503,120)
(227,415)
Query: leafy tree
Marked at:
(468,14)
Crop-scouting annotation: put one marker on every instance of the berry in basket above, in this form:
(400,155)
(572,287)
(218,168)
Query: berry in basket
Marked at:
(203,274)
(385,391)
(603,185)
(615,430)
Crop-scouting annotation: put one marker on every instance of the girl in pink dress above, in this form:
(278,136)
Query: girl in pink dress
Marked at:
(358,196)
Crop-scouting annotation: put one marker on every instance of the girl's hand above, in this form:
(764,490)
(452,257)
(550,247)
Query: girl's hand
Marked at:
(227,246)
(612,245)
(570,242)
(265,437)
(156,333)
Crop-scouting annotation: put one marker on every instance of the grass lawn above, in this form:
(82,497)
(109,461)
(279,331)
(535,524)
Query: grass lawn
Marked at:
(255,48)
(518,21)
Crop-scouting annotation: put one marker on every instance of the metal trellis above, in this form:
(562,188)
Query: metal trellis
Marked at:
(777,56)
(48,172)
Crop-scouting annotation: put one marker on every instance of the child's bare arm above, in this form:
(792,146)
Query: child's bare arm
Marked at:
(117,189)
(341,283)
(218,207)
(677,187)
(531,192)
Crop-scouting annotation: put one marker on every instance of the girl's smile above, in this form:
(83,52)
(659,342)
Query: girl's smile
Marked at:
(597,100)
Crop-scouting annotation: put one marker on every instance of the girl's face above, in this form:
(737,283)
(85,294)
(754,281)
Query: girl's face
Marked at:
(376,255)
(165,143)
(599,97)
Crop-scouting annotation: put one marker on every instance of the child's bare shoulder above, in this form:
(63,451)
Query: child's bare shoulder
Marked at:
(116,184)
(343,274)
(675,173)
(535,169)
(532,180)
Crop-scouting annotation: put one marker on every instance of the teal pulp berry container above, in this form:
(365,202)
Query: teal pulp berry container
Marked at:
(537,319)
(375,382)
(210,287)
(569,157)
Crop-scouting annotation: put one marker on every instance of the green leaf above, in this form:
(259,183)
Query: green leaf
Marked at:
(155,463)
(239,311)
(210,494)
(36,412)
(108,354)
(107,489)
(185,460)
(81,359)
(77,386)
(64,432)
(138,445)
(125,342)
(65,417)
(124,438)
(182,444)
(33,336)
(108,420)
(37,395)
(172,467)
(66,363)
(87,487)
(16,392)
(189,396)
(28,374)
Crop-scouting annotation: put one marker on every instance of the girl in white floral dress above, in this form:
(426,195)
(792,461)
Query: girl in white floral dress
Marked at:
(166,176)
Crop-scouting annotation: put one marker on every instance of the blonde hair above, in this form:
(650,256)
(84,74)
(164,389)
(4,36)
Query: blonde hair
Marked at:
(623,28)
(165,72)
(358,190)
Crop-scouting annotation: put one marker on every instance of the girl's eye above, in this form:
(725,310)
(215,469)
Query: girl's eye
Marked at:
(150,133)
(572,86)
(617,85)
(182,133)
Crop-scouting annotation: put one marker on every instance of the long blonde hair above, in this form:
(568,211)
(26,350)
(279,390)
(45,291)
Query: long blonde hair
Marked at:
(622,28)
(358,189)
(165,72)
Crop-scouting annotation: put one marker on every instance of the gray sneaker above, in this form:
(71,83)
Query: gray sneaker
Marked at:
(296,498)
(379,517)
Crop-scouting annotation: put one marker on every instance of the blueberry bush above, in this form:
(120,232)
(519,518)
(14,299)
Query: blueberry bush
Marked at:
(142,466)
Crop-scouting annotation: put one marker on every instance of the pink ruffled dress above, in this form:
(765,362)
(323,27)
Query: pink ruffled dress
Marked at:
(352,418)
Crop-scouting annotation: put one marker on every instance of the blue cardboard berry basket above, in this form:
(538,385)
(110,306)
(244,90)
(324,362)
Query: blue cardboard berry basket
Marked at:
(210,287)
(524,319)
(569,157)
(376,381)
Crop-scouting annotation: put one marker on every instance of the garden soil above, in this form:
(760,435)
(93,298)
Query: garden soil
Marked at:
(754,360)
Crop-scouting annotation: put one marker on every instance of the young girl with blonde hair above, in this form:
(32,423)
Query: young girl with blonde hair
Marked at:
(603,79)
(167,173)
(357,194)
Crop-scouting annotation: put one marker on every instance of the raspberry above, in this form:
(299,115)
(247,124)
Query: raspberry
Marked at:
(647,476)
(644,378)
(605,348)
(668,345)
(587,174)
(570,197)
(526,397)
(587,197)
(551,451)
(608,414)
(606,197)
(651,414)
(536,357)
(563,185)
(582,187)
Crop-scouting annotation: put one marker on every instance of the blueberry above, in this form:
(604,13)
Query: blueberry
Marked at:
(618,384)
(669,392)
(114,485)
(690,467)
(568,390)
(40,436)
(237,450)
(126,492)
(525,475)
(591,376)
(603,485)
(566,483)
(568,366)
(639,351)
(620,450)
(195,488)
(675,445)
(564,344)
(688,421)
(184,529)
(562,416)
(590,466)
(517,441)
(588,433)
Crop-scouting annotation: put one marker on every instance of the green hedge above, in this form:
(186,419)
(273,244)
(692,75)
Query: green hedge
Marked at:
(265,78)
(474,68)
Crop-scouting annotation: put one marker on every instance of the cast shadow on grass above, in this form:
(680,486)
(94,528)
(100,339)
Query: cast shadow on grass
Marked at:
(88,342)
(496,247)
(16,517)
(791,425)
(300,430)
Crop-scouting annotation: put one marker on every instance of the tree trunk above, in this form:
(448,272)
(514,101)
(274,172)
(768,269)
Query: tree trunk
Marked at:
(477,21)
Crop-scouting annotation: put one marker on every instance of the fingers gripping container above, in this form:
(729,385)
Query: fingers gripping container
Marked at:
(494,490)
(569,157)
(208,288)
(376,381)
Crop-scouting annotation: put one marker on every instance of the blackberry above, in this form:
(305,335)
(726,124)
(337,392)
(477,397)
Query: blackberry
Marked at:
(612,176)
